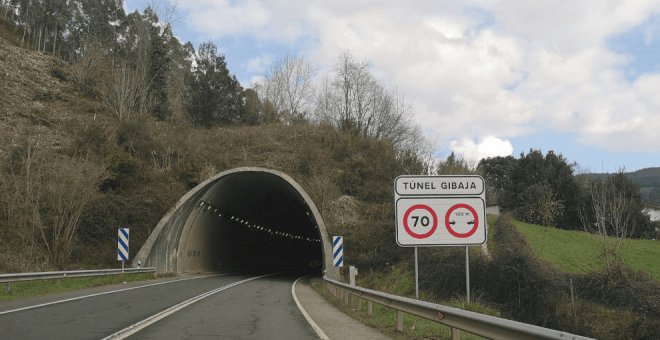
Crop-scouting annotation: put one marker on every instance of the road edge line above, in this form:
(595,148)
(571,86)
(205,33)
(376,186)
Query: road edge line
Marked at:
(308,317)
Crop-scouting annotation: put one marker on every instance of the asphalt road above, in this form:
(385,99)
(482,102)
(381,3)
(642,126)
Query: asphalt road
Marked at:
(262,308)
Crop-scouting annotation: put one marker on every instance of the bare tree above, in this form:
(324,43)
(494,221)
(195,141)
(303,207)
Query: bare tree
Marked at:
(352,99)
(44,195)
(122,92)
(167,10)
(289,87)
(20,184)
(71,185)
(612,213)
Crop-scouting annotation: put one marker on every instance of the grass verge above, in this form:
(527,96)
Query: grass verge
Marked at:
(384,319)
(25,289)
(399,280)
(579,252)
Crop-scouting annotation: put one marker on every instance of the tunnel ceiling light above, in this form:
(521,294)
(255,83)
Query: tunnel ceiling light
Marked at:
(209,206)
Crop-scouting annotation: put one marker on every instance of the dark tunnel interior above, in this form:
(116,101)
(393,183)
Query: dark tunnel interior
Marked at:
(257,222)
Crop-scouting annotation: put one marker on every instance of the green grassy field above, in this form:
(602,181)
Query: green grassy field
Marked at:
(580,252)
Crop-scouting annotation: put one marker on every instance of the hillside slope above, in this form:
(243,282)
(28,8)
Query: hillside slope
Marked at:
(53,135)
(578,252)
(647,179)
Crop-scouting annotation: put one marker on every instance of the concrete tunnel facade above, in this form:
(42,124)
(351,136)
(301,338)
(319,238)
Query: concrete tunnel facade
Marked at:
(246,219)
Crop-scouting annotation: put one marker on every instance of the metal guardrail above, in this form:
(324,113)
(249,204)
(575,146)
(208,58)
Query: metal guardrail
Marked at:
(457,319)
(17,277)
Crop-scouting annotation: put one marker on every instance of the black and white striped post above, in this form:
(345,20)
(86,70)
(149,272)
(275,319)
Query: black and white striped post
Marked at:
(122,246)
(338,251)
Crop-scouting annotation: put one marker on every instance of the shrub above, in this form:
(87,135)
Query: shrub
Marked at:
(90,138)
(621,287)
(527,288)
(133,137)
(58,73)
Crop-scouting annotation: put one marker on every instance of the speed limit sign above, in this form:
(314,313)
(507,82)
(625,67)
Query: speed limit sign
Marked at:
(420,221)
(440,210)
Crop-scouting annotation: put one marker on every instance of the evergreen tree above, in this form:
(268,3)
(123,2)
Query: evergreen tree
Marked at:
(158,64)
(216,96)
(537,188)
(497,174)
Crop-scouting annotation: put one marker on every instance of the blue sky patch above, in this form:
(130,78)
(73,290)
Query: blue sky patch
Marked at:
(642,45)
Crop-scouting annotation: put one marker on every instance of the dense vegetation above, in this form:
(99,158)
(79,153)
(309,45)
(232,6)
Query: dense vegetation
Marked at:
(544,189)
(114,119)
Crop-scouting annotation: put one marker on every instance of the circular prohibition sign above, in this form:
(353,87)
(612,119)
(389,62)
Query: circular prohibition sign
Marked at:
(434,224)
(475,223)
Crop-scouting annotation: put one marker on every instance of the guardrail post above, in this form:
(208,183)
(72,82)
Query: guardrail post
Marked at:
(455,334)
(469,322)
(399,321)
(8,287)
(352,272)
(370,308)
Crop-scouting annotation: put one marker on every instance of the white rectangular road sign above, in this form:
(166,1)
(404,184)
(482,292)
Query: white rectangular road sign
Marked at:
(439,186)
(440,210)
(440,221)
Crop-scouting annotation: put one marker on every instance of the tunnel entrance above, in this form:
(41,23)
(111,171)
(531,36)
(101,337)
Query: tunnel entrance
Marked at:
(247,220)
(252,221)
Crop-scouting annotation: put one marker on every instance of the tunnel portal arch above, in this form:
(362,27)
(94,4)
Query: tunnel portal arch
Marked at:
(247,217)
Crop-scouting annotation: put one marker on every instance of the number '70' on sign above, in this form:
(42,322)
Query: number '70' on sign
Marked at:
(420,214)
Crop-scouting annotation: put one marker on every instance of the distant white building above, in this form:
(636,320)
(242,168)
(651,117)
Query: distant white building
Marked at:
(493,209)
(653,213)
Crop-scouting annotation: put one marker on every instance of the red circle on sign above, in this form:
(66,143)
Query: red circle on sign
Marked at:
(423,207)
(469,232)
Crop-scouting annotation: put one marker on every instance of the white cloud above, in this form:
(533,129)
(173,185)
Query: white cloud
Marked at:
(488,147)
(278,20)
(259,64)
(478,68)
(256,80)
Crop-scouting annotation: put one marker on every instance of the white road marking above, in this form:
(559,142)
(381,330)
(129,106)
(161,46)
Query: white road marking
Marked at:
(309,319)
(140,325)
(99,294)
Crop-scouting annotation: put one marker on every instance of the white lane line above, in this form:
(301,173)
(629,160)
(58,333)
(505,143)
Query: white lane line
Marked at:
(140,325)
(309,319)
(103,293)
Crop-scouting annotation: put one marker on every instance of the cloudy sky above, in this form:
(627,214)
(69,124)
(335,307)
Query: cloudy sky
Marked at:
(484,78)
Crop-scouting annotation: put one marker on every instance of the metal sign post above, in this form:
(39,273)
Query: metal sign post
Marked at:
(416,276)
(440,211)
(467,273)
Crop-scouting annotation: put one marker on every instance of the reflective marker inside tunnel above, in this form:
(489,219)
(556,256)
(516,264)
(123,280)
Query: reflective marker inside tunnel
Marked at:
(242,220)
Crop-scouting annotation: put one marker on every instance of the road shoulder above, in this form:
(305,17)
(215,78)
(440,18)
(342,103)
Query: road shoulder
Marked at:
(333,322)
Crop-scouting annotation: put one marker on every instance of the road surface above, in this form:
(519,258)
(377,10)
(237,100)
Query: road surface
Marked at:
(212,307)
